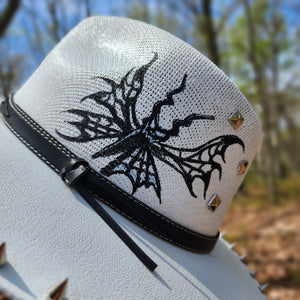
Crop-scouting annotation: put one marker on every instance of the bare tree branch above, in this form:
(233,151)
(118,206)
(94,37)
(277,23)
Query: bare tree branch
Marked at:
(87,4)
(54,29)
(7,15)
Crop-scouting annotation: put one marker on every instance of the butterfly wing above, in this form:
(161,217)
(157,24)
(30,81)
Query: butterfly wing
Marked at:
(92,126)
(117,106)
(198,162)
(139,166)
(121,99)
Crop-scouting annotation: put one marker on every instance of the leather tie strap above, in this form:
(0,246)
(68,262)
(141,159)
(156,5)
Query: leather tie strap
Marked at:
(94,187)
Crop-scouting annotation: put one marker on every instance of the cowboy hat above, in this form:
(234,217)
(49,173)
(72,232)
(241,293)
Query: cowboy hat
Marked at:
(143,131)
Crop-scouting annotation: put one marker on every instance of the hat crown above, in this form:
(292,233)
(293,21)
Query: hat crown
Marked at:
(150,113)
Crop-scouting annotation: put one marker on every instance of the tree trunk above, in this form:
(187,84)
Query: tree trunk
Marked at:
(268,124)
(276,97)
(7,15)
(211,40)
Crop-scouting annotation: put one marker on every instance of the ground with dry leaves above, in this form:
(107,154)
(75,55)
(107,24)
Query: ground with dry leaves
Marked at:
(270,236)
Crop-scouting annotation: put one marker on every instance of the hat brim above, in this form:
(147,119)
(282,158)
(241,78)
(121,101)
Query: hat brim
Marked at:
(51,234)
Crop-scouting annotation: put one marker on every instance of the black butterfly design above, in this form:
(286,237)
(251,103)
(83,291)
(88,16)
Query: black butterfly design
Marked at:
(136,145)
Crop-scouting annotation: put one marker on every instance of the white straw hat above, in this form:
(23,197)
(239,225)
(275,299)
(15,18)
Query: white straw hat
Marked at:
(170,139)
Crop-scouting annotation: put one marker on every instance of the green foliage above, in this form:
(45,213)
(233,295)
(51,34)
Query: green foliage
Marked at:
(157,15)
(139,11)
(295,273)
(254,191)
(264,32)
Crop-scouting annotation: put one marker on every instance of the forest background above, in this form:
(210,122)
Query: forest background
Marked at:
(257,44)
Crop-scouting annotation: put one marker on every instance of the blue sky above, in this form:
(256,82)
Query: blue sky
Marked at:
(19,37)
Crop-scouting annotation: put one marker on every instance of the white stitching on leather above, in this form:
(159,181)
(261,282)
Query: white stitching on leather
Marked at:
(151,210)
(29,146)
(42,131)
(143,226)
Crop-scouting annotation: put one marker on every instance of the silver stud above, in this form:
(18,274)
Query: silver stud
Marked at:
(222,234)
(262,287)
(232,246)
(214,202)
(236,119)
(242,167)
(253,273)
(243,257)
(2,254)
(58,291)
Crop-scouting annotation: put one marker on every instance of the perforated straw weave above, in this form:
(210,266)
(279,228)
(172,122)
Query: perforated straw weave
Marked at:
(104,49)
